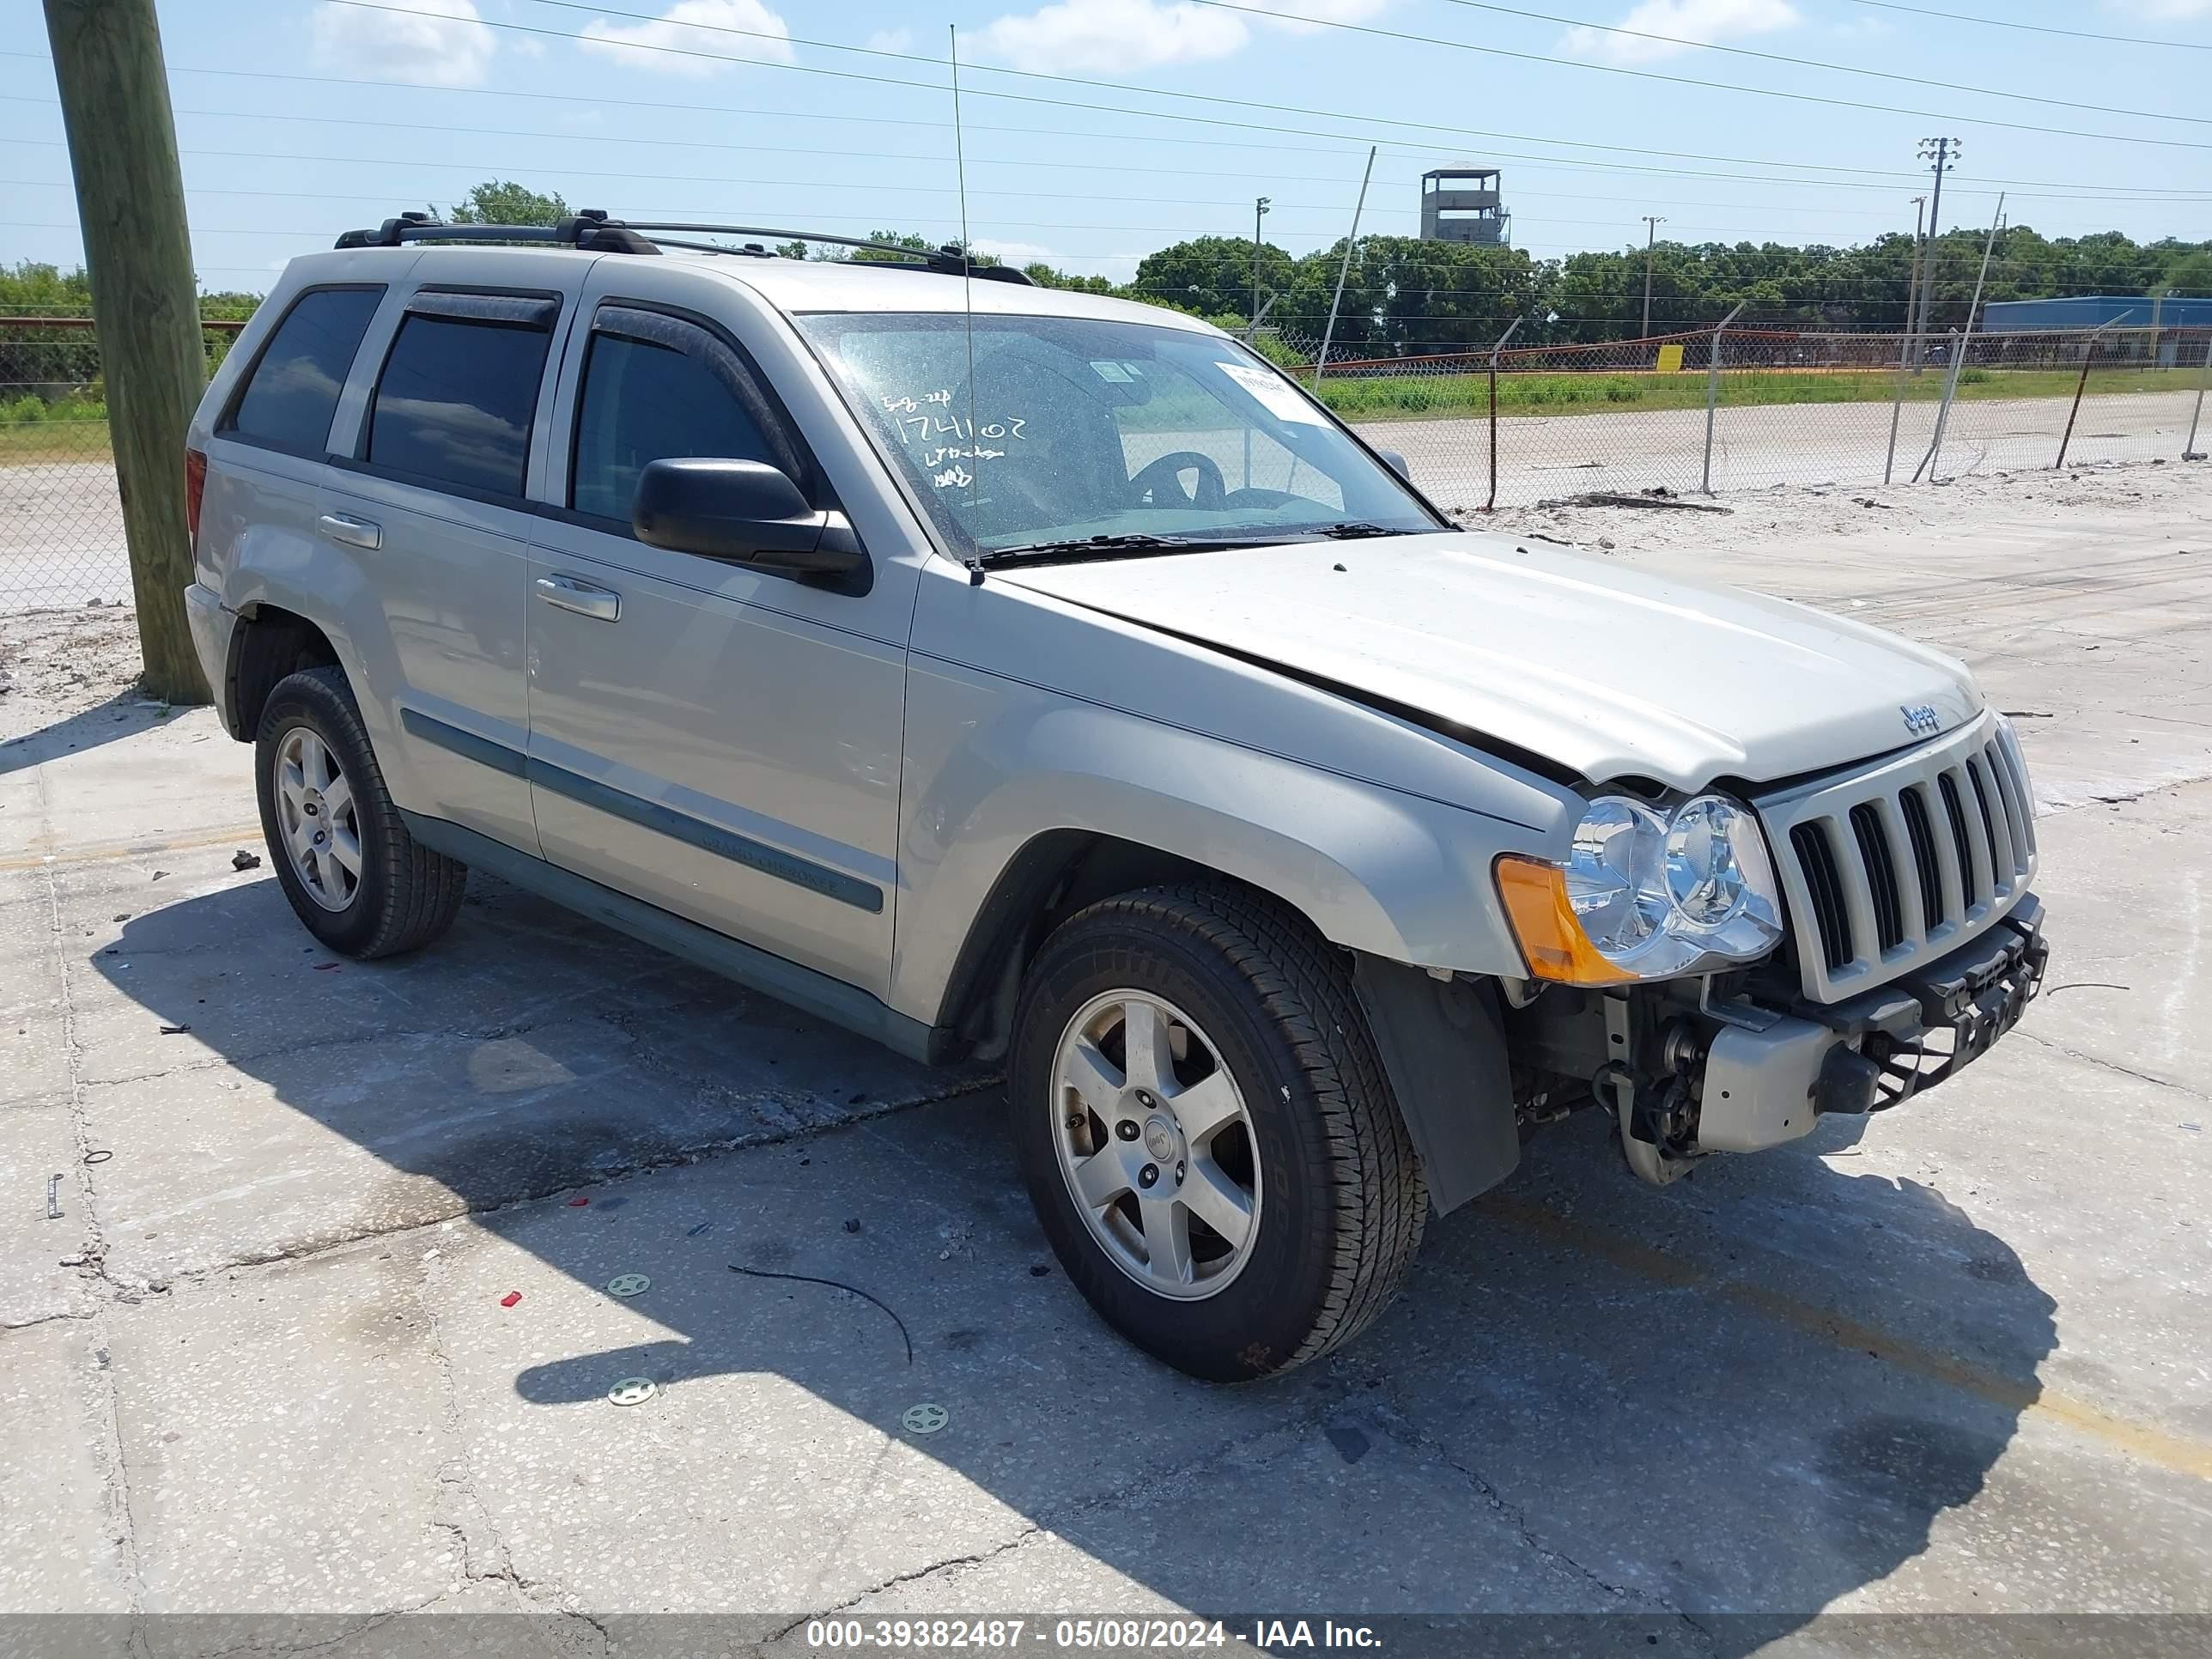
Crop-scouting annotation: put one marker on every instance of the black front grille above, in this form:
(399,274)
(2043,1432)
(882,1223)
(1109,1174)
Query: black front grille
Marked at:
(1969,885)
(1881,876)
(1921,834)
(1998,860)
(1816,856)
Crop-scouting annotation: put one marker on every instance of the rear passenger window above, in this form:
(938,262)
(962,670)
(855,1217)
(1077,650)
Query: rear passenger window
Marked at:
(648,403)
(293,392)
(455,403)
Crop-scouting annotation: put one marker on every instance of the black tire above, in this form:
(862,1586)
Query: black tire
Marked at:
(407,895)
(1344,1204)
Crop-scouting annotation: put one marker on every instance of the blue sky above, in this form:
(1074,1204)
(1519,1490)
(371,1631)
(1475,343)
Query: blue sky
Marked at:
(746,111)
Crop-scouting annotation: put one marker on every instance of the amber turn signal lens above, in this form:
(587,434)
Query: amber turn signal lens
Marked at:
(1551,940)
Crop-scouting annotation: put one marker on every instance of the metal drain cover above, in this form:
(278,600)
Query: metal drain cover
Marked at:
(629,1285)
(632,1391)
(925,1419)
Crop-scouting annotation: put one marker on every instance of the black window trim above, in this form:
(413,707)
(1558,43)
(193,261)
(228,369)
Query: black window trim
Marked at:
(815,485)
(519,499)
(225,424)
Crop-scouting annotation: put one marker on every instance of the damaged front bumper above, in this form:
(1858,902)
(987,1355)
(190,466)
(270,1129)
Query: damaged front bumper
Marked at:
(1767,1076)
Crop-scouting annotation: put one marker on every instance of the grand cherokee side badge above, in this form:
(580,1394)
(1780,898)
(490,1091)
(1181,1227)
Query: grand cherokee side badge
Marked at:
(1921,719)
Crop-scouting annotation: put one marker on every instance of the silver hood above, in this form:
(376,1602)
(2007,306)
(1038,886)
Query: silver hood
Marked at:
(1597,667)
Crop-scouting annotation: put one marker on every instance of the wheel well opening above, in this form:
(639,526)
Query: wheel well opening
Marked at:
(1050,879)
(270,644)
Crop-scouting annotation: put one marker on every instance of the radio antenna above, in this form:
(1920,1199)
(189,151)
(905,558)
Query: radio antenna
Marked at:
(966,290)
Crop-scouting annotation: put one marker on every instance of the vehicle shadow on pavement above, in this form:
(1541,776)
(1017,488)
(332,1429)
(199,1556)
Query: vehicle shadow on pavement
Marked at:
(1754,1393)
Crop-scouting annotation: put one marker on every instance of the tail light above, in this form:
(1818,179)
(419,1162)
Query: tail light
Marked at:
(195,487)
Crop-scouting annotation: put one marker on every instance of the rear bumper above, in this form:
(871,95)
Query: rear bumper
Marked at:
(1770,1077)
(212,625)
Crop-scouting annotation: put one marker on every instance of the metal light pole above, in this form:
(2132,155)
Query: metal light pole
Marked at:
(1907,353)
(1652,223)
(1344,270)
(1940,154)
(1259,212)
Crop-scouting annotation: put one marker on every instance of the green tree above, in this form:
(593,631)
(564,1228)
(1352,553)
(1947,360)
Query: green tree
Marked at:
(503,201)
(1209,275)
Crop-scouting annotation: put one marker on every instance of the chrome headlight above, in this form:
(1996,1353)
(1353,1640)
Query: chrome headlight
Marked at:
(1646,894)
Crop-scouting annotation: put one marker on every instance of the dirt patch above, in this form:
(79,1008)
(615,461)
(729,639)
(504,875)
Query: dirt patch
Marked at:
(54,664)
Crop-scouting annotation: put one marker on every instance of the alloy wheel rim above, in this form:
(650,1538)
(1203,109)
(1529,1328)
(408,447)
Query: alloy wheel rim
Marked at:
(318,818)
(1156,1145)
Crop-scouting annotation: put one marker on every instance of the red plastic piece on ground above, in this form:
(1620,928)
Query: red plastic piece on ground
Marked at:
(578,1203)
(510,1298)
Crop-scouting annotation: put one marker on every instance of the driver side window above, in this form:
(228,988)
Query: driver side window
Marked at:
(644,402)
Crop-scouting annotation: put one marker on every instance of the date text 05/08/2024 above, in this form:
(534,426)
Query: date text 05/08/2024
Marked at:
(830,1636)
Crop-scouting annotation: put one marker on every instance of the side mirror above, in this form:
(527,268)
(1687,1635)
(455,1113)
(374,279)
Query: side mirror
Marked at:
(741,513)
(1396,463)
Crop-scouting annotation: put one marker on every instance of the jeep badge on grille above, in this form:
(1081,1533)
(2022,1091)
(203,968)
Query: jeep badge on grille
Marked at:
(1921,719)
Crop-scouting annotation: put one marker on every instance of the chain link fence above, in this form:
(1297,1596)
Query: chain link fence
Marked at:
(61,521)
(1744,409)
(1718,410)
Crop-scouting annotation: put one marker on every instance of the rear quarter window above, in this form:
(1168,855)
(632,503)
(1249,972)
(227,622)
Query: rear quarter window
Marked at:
(456,401)
(292,392)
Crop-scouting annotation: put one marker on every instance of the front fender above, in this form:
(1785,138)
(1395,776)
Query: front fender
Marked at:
(992,764)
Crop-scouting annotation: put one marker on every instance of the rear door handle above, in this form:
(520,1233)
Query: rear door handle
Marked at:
(353,532)
(583,598)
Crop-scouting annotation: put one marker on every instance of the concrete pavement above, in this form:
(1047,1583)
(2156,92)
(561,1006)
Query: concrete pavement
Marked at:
(1951,1361)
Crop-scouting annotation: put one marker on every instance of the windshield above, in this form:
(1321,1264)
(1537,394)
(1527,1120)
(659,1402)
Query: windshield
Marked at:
(1075,429)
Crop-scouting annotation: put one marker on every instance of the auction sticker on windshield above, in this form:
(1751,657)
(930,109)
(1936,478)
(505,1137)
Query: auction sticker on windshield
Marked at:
(1272,393)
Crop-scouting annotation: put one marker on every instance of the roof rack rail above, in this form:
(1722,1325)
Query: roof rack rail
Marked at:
(589,228)
(592,230)
(946,261)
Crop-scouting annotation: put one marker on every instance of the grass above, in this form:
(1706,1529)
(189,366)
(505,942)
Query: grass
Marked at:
(1415,397)
(24,443)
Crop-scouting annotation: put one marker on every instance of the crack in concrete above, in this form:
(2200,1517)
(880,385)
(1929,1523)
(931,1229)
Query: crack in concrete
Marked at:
(475,1530)
(2110,1065)
(1392,1421)
(680,1157)
(2046,809)
(115,1484)
(1295,1431)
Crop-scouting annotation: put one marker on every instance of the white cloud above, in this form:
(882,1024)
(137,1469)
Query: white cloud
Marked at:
(453,48)
(1307,17)
(891,40)
(1112,36)
(695,26)
(1707,21)
(2163,11)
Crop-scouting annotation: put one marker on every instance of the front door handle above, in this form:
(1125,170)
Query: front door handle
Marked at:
(353,532)
(585,599)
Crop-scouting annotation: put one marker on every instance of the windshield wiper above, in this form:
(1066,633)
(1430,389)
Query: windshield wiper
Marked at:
(1098,547)
(1355,529)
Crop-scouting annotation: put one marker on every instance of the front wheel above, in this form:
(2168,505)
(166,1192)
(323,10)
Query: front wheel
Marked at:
(1207,1133)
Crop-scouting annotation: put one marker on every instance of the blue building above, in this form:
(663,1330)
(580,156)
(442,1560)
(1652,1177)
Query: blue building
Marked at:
(2092,310)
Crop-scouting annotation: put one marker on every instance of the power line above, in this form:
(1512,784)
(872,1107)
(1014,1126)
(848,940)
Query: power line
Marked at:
(1399,147)
(2035,29)
(1240,103)
(1705,45)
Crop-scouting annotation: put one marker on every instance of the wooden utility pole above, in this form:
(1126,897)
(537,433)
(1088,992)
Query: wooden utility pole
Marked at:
(145,301)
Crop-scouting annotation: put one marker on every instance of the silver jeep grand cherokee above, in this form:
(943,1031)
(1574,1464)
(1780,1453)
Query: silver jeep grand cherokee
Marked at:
(1022,676)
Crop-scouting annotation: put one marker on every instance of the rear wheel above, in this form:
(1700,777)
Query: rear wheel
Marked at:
(1207,1133)
(355,877)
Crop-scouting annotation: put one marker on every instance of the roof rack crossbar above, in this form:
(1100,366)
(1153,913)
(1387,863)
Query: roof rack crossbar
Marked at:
(591,229)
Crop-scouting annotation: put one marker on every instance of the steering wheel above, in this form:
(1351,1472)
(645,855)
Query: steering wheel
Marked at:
(1207,494)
